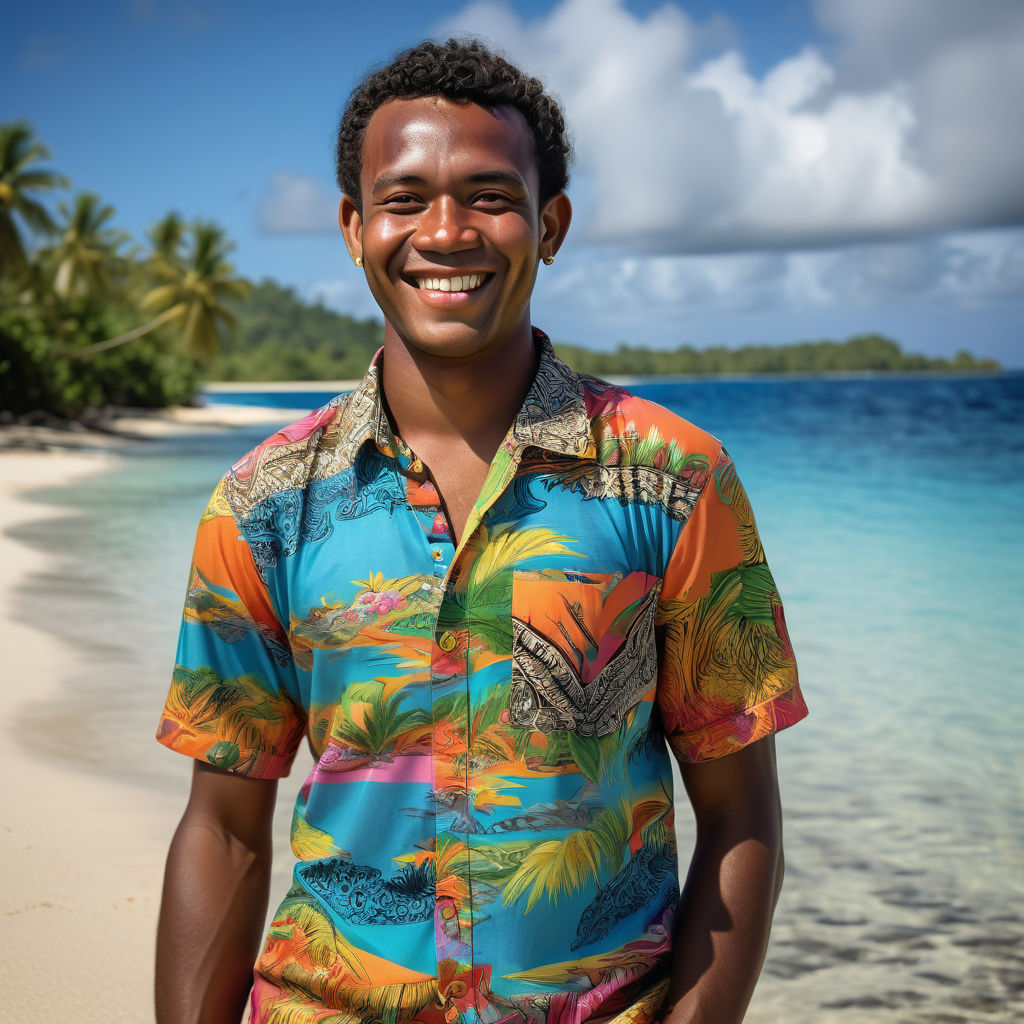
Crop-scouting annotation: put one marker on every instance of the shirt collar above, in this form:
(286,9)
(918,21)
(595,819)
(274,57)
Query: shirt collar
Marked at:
(553,415)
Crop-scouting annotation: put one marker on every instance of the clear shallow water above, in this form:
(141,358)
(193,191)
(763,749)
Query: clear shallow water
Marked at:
(891,511)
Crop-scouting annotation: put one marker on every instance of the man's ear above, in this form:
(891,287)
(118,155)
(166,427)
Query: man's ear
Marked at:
(554,223)
(351,223)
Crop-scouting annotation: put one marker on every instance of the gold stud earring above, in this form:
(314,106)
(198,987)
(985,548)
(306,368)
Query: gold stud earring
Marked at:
(548,260)
(358,261)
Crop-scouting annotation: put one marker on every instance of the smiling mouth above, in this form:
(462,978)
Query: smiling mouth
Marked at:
(459,283)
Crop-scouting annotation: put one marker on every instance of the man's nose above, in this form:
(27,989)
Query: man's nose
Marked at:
(445,227)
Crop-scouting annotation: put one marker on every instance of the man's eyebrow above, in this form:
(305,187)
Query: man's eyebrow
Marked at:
(498,176)
(495,176)
(386,181)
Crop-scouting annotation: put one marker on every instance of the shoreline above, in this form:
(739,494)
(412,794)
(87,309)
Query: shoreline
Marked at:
(83,851)
(83,856)
(121,429)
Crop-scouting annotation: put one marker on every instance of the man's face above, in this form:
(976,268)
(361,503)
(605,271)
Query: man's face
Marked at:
(451,228)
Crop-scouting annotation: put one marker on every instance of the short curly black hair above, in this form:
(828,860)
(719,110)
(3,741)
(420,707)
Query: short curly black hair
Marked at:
(465,71)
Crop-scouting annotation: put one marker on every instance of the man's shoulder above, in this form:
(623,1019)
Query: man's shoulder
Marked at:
(289,459)
(631,430)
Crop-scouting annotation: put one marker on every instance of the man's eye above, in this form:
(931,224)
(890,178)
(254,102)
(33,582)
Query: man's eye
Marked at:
(490,198)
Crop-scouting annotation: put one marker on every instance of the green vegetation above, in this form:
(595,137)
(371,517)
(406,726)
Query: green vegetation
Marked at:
(20,179)
(863,352)
(279,337)
(88,319)
(35,376)
(72,297)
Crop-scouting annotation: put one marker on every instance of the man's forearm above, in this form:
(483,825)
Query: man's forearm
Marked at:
(724,920)
(211,919)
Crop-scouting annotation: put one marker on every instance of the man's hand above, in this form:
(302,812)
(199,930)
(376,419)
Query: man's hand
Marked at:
(734,880)
(214,899)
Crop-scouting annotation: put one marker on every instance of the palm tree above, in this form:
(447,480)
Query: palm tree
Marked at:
(19,151)
(384,729)
(190,296)
(166,239)
(86,255)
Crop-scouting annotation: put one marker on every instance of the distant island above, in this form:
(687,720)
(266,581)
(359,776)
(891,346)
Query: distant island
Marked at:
(281,338)
(863,353)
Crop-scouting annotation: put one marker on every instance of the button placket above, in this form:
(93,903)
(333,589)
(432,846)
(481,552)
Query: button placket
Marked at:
(451,741)
(453,937)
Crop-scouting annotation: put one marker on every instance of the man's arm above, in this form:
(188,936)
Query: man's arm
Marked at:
(214,899)
(731,889)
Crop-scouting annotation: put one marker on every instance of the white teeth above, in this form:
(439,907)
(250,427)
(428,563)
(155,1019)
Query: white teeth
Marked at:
(465,283)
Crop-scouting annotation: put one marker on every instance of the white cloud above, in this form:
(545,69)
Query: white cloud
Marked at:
(934,295)
(984,268)
(909,128)
(958,271)
(296,204)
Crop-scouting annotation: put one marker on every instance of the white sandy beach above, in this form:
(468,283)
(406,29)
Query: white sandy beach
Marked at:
(82,854)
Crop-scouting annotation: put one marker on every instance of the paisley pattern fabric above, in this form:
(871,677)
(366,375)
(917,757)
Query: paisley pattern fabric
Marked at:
(487,833)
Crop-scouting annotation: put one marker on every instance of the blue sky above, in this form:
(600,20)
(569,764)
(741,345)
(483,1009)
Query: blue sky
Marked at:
(746,172)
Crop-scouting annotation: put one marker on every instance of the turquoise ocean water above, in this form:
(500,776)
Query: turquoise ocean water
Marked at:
(892,513)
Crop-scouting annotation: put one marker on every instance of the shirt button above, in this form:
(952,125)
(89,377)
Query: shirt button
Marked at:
(448,912)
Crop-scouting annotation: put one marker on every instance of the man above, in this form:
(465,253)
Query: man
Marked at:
(487,589)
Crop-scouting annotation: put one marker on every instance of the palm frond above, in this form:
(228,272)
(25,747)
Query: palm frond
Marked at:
(532,874)
(310,842)
(160,297)
(567,865)
(35,215)
(40,179)
(508,546)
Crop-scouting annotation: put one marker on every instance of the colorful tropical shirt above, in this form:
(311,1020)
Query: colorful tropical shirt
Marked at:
(487,834)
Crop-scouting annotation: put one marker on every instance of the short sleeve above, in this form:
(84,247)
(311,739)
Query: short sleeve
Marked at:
(233,698)
(727,674)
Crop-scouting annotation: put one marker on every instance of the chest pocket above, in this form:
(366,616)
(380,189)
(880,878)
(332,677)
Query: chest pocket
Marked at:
(583,650)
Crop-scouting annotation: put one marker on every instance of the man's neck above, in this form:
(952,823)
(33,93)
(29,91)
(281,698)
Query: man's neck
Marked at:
(469,402)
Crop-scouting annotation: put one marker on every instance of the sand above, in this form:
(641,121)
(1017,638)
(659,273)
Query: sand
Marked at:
(127,427)
(82,854)
(82,857)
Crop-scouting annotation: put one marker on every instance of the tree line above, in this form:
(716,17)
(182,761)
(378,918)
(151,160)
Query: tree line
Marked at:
(280,337)
(89,318)
(863,352)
